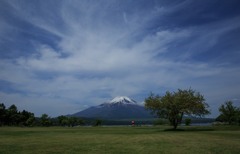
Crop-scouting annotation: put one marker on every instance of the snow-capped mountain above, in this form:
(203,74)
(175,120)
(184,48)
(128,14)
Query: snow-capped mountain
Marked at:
(119,101)
(117,108)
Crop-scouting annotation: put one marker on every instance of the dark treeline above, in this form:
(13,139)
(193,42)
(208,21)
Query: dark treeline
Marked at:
(144,122)
(12,116)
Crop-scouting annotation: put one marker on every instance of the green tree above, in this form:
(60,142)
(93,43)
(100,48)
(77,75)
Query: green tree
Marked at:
(173,105)
(17,118)
(65,122)
(220,118)
(187,121)
(47,123)
(2,113)
(61,118)
(13,109)
(45,120)
(72,120)
(12,115)
(25,116)
(98,122)
(81,121)
(30,121)
(229,113)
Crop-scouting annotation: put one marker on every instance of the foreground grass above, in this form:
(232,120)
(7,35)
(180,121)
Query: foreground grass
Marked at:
(193,139)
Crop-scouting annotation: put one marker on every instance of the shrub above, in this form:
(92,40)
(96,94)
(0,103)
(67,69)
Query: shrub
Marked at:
(30,121)
(47,123)
(80,121)
(97,122)
(65,122)
(187,121)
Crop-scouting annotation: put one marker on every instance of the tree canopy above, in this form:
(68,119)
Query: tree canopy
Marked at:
(229,113)
(72,120)
(61,118)
(67,121)
(97,122)
(45,120)
(187,121)
(12,116)
(80,121)
(173,105)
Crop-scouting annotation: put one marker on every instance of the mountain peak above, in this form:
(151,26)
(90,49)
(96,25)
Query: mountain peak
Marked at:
(119,101)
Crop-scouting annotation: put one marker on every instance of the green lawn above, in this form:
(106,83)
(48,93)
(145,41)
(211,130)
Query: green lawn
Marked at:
(193,139)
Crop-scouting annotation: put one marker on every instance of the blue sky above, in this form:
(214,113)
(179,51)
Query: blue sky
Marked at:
(60,57)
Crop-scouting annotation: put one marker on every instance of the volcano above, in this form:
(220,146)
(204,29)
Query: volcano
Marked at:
(118,108)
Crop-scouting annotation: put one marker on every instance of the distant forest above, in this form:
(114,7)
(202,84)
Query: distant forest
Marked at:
(13,117)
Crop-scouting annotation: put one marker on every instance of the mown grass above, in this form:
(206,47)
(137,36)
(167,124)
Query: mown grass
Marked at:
(191,139)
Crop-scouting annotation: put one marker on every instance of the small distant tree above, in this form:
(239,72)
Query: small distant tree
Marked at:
(61,118)
(98,122)
(80,121)
(65,122)
(30,121)
(187,121)
(72,120)
(12,115)
(47,123)
(92,123)
(25,116)
(229,113)
(45,120)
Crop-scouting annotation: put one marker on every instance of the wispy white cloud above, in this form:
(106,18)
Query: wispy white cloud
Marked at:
(103,51)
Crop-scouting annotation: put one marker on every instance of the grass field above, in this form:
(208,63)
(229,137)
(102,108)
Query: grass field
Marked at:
(192,139)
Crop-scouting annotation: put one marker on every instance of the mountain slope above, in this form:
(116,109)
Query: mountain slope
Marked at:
(117,108)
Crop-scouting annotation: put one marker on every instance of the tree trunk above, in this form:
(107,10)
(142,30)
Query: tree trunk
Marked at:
(181,117)
(175,124)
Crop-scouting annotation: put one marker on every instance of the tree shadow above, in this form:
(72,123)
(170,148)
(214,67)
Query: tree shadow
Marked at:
(189,129)
(175,130)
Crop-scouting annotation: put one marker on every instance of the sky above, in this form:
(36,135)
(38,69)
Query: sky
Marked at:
(61,57)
